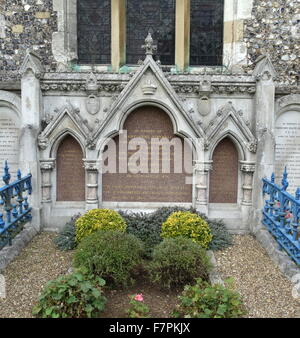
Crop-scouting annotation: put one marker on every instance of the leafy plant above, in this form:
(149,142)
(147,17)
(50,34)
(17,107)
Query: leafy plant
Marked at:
(65,240)
(98,219)
(203,300)
(189,225)
(112,255)
(71,296)
(178,261)
(137,308)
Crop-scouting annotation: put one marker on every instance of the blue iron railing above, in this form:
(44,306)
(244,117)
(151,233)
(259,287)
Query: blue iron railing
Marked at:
(14,202)
(281,215)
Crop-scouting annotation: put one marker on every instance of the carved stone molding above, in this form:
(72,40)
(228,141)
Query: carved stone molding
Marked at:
(80,86)
(215,88)
(248,167)
(91,165)
(289,99)
(47,164)
(223,114)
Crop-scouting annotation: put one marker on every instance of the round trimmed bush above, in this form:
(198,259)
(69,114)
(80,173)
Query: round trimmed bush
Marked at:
(98,219)
(189,225)
(112,255)
(178,261)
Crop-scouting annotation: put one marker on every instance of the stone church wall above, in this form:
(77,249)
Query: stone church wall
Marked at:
(274,28)
(25,24)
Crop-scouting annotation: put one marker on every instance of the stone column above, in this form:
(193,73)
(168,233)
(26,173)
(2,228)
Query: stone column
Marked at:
(47,167)
(265,124)
(118,33)
(182,41)
(31,97)
(202,181)
(91,167)
(248,169)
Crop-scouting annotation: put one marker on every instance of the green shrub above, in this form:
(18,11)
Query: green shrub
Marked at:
(98,219)
(206,301)
(178,261)
(112,255)
(71,296)
(189,225)
(221,238)
(65,240)
(147,227)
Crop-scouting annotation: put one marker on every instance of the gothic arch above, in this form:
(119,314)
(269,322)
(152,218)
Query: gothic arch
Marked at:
(224,177)
(61,136)
(236,141)
(70,172)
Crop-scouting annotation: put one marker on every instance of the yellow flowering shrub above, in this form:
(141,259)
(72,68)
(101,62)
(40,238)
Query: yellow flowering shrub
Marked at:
(98,219)
(189,225)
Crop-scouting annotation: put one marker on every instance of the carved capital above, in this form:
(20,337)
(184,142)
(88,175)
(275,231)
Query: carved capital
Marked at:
(91,165)
(248,167)
(47,164)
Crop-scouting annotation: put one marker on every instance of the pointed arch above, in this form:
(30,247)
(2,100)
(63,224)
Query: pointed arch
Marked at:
(59,138)
(70,173)
(237,141)
(223,187)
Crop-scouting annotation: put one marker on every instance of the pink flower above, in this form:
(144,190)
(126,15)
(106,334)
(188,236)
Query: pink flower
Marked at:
(288,215)
(139,297)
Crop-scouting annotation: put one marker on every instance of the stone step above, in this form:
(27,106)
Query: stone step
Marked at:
(230,214)
(224,210)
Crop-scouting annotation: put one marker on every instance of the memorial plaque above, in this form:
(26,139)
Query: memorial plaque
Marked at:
(224,176)
(70,171)
(155,183)
(9,140)
(287,150)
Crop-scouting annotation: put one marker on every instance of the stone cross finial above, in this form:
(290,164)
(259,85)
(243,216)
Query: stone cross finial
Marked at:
(148,46)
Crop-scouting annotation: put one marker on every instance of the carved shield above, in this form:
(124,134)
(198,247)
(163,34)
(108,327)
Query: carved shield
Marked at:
(92,104)
(204,106)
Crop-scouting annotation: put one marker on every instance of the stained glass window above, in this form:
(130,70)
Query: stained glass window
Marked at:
(156,17)
(206,44)
(94,31)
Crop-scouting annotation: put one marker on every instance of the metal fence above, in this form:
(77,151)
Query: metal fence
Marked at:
(281,215)
(15,211)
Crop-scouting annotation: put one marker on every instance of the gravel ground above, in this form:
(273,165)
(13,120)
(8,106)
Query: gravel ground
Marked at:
(38,263)
(266,292)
